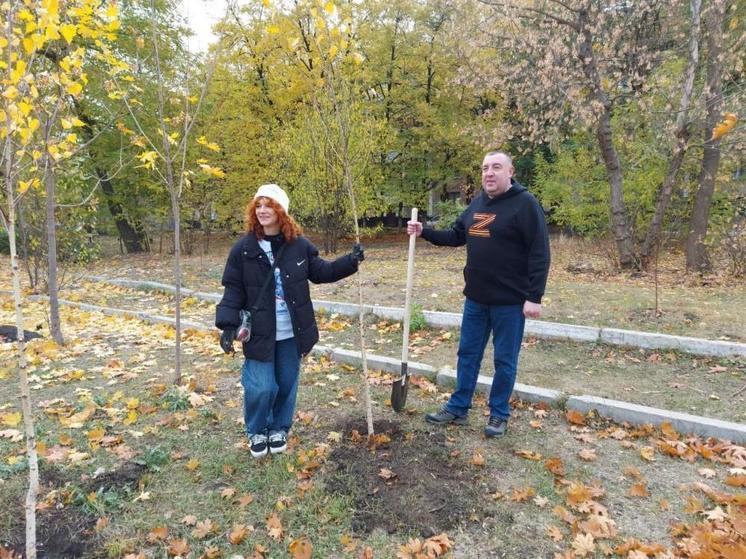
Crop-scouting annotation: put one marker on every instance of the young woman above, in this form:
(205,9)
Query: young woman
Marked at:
(267,273)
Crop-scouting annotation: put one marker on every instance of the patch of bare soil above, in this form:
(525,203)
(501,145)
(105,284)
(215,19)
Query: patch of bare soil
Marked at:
(68,532)
(402,481)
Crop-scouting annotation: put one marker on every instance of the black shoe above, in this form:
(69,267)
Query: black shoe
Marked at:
(278,441)
(496,427)
(444,417)
(258,445)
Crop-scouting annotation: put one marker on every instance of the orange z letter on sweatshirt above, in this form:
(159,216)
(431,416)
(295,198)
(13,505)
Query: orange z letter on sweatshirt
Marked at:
(480,227)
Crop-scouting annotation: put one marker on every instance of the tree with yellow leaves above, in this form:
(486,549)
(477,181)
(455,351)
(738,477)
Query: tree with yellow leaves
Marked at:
(34,92)
(165,152)
(319,41)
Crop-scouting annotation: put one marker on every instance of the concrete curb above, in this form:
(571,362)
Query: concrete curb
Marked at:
(650,340)
(538,328)
(615,409)
(381,363)
(111,311)
(638,415)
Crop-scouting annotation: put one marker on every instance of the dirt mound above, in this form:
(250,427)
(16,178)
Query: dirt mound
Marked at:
(67,532)
(407,482)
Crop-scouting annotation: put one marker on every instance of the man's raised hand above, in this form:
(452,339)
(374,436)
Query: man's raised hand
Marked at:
(414,228)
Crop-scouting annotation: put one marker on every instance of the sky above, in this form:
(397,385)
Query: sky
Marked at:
(201,16)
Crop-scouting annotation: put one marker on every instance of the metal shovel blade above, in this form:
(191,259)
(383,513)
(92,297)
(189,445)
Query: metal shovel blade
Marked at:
(399,390)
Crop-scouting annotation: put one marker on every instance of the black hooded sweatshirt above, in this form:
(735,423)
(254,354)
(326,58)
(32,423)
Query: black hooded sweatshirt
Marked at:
(507,247)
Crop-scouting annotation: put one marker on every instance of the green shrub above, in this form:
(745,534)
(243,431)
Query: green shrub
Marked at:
(447,213)
(417,318)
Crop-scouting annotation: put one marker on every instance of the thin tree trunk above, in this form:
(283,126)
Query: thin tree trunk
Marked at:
(177,274)
(620,224)
(132,237)
(697,258)
(55,329)
(25,394)
(175,192)
(344,156)
(390,70)
(652,238)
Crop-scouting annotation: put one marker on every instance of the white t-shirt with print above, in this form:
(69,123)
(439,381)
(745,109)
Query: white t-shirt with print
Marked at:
(284,325)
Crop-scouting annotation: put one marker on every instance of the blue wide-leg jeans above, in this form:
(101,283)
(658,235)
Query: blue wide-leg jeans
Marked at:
(506,323)
(269,389)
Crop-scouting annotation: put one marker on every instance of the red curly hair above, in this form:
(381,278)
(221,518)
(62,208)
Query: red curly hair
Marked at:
(288,227)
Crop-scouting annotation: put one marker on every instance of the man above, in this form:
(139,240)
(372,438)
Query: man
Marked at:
(507,263)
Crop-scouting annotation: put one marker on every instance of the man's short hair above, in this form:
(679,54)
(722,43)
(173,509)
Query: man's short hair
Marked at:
(498,152)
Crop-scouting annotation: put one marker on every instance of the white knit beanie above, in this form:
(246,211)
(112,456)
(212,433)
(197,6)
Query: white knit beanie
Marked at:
(276,193)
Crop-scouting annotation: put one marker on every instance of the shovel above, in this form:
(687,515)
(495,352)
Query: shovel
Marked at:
(400,386)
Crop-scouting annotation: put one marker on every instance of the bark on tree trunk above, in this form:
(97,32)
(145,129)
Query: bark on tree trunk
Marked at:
(55,329)
(697,258)
(25,394)
(177,273)
(132,237)
(620,226)
(682,137)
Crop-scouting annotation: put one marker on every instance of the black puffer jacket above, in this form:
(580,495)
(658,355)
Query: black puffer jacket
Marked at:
(245,272)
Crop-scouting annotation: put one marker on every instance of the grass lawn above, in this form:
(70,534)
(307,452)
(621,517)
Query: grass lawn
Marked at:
(133,466)
(678,381)
(583,288)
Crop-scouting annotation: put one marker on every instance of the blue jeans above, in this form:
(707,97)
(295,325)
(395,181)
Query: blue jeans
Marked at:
(506,324)
(269,389)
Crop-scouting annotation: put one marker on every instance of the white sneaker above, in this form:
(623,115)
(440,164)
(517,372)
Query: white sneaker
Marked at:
(278,441)
(258,445)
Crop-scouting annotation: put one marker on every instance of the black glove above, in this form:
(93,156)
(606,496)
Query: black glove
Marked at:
(226,339)
(358,255)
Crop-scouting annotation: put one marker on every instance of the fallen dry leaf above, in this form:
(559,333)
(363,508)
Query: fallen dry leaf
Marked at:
(238,534)
(638,490)
(156,534)
(274,527)
(522,494)
(555,465)
(245,500)
(738,480)
(477,459)
(708,473)
(577,493)
(631,471)
(212,552)
(101,523)
(204,528)
(587,454)
(301,548)
(528,454)
(575,417)
(583,544)
(648,453)
(178,547)
(386,474)
(541,502)
(555,533)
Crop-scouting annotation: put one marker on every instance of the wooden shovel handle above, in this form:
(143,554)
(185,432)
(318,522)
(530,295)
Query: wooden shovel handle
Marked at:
(407,300)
